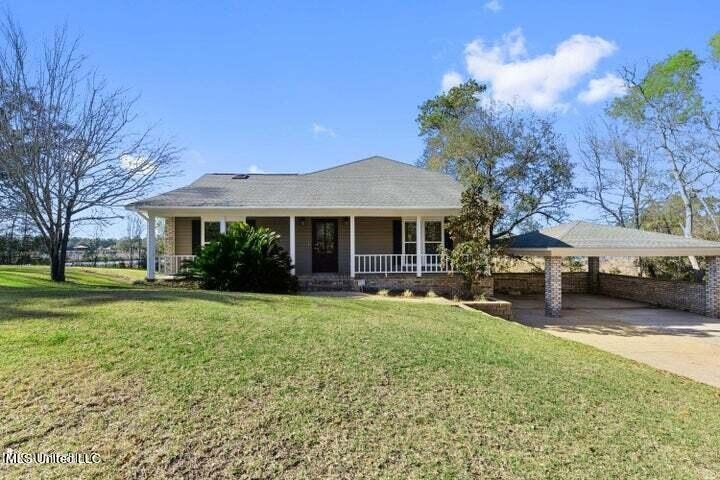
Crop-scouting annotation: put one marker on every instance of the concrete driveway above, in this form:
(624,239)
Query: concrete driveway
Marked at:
(679,342)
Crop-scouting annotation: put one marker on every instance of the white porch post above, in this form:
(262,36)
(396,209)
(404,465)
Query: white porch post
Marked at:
(352,246)
(419,242)
(223,225)
(292,243)
(150,254)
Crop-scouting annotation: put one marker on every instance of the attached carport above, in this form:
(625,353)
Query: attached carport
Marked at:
(582,239)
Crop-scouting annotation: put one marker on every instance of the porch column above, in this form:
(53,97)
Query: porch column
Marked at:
(169,236)
(419,242)
(223,225)
(594,274)
(553,286)
(352,246)
(712,287)
(150,254)
(292,243)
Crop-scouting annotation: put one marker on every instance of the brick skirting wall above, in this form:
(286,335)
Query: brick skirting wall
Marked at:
(664,293)
(440,283)
(534,283)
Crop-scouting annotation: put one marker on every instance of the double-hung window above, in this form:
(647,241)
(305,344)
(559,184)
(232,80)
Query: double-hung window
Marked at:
(211,231)
(433,236)
(410,238)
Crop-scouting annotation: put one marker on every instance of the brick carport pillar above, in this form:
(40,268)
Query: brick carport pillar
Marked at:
(553,286)
(594,274)
(712,287)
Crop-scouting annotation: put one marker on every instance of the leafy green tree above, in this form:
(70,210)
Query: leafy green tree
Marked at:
(473,251)
(246,259)
(714,44)
(667,94)
(514,157)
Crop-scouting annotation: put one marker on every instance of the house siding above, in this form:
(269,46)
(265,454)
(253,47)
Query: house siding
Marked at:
(303,246)
(374,235)
(279,225)
(183,235)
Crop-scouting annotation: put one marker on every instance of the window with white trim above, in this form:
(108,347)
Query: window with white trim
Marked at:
(409,237)
(433,236)
(211,230)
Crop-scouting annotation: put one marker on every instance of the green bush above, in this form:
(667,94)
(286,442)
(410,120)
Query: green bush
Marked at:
(244,259)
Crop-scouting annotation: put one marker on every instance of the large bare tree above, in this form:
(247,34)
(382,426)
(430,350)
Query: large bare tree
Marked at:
(70,147)
(621,167)
(667,104)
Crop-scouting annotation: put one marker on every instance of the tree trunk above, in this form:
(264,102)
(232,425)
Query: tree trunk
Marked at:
(688,223)
(57,274)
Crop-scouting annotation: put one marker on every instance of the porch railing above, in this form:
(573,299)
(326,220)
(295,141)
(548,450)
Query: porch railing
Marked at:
(401,263)
(171,264)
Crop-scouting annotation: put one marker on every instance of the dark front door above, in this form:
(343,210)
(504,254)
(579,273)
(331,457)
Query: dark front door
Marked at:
(324,246)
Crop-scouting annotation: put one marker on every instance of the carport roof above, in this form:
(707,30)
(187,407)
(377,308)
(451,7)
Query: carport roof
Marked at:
(588,239)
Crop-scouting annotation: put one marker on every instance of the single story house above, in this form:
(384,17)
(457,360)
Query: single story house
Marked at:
(375,222)
(379,223)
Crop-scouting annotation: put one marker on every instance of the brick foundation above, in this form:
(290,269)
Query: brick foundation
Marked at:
(441,283)
(703,299)
(534,283)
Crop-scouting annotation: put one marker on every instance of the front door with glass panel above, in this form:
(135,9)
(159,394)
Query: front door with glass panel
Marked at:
(324,246)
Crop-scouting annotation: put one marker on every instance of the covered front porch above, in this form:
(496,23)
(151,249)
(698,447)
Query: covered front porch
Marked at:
(347,245)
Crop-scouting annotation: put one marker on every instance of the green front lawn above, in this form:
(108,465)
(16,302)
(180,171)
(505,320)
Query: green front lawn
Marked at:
(172,383)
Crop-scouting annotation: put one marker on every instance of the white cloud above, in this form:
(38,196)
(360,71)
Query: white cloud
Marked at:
(451,79)
(493,5)
(602,88)
(322,130)
(136,164)
(538,82)
(255,169)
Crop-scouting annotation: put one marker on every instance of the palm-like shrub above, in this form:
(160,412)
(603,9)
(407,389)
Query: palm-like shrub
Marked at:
(244,259)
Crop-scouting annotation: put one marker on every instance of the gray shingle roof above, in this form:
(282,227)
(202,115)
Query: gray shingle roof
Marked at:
(583,235)
(374,182)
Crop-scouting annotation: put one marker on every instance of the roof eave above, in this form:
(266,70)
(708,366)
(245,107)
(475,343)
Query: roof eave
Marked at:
(702,251)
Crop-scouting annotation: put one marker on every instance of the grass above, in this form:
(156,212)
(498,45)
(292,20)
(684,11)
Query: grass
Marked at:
(168,383)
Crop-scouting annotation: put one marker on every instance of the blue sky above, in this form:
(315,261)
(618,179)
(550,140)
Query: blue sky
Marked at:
(298,86)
